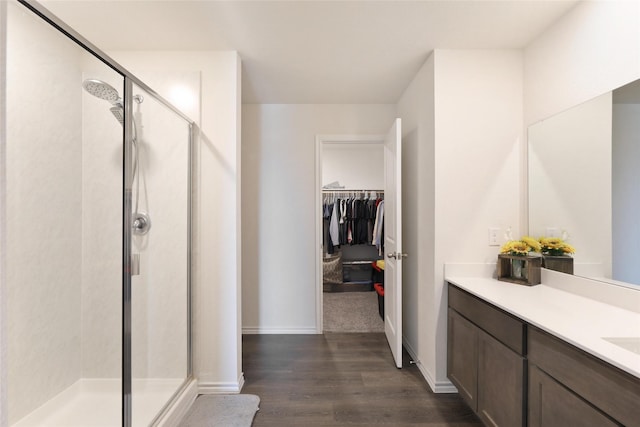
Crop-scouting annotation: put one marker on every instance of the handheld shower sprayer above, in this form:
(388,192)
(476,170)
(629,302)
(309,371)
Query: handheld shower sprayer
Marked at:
(102,90)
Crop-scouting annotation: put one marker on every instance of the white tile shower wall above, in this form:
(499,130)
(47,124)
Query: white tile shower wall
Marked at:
(43,212)
(159,293)
(101,231)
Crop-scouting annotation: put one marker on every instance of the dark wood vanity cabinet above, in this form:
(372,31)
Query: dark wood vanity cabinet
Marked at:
(462,357)
(485,359)
(501,380)
(551,404)
(514,374)
(566,383)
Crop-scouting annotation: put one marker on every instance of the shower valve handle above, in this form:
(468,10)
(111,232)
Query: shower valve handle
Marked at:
(141,223)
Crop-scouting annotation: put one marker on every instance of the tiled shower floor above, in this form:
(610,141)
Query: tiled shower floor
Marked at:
(98,403)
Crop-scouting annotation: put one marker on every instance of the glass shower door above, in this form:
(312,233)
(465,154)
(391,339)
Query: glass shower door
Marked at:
(160,153)
(63,242)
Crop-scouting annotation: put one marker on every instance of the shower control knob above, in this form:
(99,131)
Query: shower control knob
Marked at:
(141,223)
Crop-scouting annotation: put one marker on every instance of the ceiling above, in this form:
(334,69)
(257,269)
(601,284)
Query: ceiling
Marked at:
(309,51)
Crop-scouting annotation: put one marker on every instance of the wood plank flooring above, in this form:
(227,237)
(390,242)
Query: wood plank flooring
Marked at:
(340,379)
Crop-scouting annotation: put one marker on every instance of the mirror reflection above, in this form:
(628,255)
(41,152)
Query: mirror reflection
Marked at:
(584,183)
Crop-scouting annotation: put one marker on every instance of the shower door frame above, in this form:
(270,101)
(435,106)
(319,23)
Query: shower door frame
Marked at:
(127,231)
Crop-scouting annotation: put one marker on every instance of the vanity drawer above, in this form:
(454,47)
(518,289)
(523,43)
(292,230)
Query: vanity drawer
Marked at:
(505,328)
(606,387)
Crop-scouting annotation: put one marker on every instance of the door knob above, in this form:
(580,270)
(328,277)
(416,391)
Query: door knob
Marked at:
(397,255)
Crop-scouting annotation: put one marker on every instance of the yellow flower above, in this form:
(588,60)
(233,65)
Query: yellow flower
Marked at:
(533,243)
(521,247)
(555,246)
(515,247)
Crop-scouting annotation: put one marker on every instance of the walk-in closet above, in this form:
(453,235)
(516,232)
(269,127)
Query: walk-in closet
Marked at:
(353,229)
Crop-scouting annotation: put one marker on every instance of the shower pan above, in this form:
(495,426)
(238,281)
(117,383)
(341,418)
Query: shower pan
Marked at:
(97,237)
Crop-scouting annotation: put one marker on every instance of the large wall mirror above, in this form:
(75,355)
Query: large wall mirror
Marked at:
(584,182)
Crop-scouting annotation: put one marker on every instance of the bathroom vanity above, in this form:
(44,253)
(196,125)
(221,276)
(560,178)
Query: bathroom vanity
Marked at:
(540,356)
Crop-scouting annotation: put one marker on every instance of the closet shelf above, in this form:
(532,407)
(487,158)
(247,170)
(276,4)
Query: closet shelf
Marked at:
(359,262)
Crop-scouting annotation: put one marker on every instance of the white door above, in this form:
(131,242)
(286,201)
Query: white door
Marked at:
(393,240)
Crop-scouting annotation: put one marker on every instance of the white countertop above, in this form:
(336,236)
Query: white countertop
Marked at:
(578,320)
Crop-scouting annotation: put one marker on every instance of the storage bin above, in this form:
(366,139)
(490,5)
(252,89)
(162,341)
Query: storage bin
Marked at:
(357,273)
(377,273)
(379,288)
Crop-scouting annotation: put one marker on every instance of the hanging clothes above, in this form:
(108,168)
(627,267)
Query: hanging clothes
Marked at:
(333,225)
(352,219)
(378,228)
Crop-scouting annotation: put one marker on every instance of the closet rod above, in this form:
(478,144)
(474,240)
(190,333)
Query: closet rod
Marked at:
(353,191)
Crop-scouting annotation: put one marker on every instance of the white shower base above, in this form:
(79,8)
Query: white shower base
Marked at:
(98,403)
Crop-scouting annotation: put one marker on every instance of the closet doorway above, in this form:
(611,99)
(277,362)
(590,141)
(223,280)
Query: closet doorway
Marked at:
(358,189)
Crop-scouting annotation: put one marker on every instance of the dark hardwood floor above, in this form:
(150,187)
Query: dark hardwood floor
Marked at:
(342,379)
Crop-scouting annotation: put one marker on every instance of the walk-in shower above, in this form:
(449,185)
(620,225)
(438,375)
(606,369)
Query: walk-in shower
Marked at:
(97,320)
(141,219)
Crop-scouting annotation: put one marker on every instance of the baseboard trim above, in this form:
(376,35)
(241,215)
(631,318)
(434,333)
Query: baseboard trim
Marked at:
(281,331)
(173,415)
(221,387)
(436,386)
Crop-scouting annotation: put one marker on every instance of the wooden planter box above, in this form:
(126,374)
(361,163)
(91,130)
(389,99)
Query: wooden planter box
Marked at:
(528,274)
(561,263)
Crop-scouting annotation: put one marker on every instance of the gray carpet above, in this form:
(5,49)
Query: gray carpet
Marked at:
(351,312)
(236,410)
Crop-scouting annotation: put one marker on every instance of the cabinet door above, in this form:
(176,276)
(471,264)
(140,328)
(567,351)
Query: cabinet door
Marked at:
(553,405)
(500,383)
(462,357)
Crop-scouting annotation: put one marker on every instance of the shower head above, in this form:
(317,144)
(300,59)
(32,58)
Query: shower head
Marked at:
(102,90)
(117,112)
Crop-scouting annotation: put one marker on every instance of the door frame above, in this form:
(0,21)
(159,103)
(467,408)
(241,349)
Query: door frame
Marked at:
(321,140)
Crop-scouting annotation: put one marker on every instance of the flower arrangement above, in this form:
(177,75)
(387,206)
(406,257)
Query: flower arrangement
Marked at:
(521,247)
(555,246)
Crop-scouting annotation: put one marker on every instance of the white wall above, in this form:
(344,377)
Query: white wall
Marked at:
(279,247)
(466,107)
(416,108)
(591,50)
(358,166)
(3,223)
(626,197)
(42,251)
(216,277)
(570,175)
(479,140)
